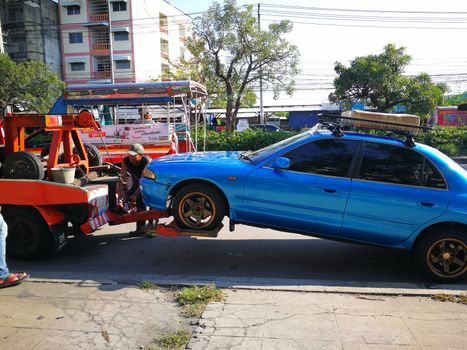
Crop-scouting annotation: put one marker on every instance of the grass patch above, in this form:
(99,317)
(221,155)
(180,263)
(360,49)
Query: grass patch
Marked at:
(461,299)
(146,285)
(194,299)
(173,341)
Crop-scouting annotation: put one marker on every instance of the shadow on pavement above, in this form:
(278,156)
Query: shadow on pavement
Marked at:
(296,261)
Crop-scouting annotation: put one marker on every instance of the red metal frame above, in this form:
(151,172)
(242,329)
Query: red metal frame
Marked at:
(65,130)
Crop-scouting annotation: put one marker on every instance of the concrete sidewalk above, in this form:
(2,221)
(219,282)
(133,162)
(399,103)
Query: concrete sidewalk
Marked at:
(292,320)
(84,316)
(87,315)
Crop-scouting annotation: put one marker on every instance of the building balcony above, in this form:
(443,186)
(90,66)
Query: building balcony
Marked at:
(164,30)
(100,48)
(100,17)
(107,74)
(165,55)
(98,20)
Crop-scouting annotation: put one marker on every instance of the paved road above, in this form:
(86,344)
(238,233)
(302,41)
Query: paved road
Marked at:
(246,253)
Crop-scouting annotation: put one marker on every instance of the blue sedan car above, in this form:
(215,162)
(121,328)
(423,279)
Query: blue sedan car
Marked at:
(354,187)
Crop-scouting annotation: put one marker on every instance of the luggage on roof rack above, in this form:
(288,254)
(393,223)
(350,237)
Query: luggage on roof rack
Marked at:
(386,121)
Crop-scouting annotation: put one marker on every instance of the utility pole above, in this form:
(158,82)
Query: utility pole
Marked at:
(112,77)
(261,106)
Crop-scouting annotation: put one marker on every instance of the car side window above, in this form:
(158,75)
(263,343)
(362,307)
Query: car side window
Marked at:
(331,157)
(399,165)
(41,139)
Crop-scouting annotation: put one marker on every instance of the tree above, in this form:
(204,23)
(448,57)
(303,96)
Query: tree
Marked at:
(454,100)
(378,82)
(31,85)
(230,54)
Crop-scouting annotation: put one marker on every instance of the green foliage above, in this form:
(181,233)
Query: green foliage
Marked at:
(377,81)
(194,299)
(451,141)
(146,285)
(248,140)
(173,341)
(31,85)
(453,100)
(230,53)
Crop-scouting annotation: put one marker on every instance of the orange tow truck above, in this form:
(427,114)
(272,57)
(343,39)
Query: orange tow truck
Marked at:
(39,206)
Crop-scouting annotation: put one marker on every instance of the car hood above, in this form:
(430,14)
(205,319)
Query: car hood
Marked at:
(199,157)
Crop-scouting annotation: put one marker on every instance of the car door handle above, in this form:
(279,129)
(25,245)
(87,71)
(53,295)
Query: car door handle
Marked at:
(329,190)
(426,204)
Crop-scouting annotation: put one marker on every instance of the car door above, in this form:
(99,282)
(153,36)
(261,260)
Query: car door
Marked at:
(396,191)
(309,196)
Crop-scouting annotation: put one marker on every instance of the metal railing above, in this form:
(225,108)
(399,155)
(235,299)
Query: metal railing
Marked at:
(103,74)
(100,47)
(101,17)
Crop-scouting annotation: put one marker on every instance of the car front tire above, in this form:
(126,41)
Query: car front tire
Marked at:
(198,207)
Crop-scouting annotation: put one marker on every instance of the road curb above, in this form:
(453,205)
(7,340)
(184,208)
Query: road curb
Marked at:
(280,285)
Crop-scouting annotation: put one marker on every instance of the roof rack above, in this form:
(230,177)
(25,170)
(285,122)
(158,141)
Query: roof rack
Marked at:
(336,128)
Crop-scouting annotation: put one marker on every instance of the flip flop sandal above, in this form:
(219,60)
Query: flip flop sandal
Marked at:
(13,279)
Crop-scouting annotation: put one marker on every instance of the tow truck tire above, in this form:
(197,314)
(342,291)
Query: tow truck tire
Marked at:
(23,165)
(2,153)
(198,207)
(94,155)
(28,236)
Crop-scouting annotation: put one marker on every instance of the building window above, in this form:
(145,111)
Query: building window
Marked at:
(75,38)
(119,6)
(121,36)
(163,23)
(73,10)
(16,15)
(77,66)
(122,64)
(165,68)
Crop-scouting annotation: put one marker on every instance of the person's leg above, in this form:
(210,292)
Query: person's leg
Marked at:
(141,207)
(3,232)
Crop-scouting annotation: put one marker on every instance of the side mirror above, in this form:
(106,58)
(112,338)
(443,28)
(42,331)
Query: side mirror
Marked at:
(282,163)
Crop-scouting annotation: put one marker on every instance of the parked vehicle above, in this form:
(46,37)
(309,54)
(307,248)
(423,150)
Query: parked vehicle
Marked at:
(173,104)
(337,185)
(265,127)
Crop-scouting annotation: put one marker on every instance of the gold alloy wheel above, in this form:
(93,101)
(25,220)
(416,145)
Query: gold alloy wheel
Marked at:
(447,257)
(197,210)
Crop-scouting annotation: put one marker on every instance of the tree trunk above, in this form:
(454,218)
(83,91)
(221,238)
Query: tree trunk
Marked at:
(229,115)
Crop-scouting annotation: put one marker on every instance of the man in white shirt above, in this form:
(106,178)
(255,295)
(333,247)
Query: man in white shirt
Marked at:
(144,117)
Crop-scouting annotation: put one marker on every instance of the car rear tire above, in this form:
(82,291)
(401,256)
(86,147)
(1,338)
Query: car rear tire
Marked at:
(23,165)
(198,207)
(442,255)
(28,236)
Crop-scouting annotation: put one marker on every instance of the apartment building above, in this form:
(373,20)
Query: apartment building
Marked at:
(30,31)
(120,40)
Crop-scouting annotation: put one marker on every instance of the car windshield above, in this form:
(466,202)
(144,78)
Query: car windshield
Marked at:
(263,153)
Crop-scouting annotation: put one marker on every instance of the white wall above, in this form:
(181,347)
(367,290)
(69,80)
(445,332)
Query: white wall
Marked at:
(147,36)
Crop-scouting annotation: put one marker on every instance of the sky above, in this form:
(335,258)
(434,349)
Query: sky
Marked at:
(327,31)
